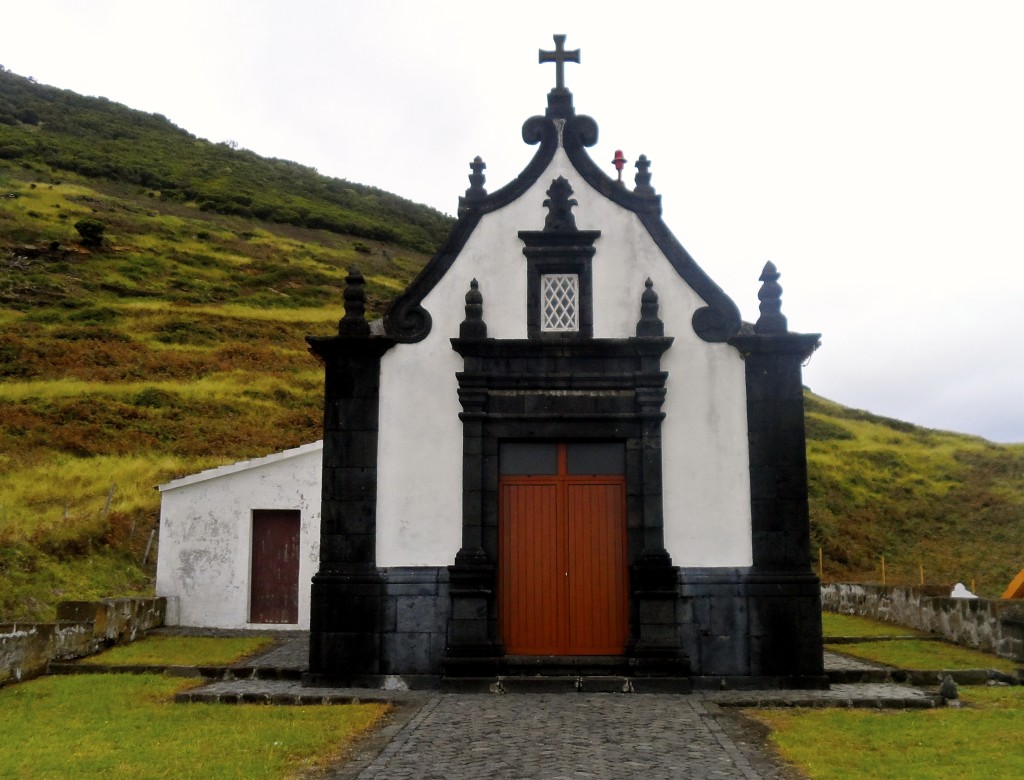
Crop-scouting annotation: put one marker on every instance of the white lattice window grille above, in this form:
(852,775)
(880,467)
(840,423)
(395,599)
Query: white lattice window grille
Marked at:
(560,295)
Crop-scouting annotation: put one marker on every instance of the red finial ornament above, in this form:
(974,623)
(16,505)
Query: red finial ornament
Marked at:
(619,162)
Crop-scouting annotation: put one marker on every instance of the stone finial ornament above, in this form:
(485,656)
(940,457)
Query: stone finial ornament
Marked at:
(649,325)
(476,179)
(643,176)
(559,205)
(476,193)
(770,295)
(354,322)
(474,327)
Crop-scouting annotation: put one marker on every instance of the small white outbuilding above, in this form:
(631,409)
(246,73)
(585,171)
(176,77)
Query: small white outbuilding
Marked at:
(240,543)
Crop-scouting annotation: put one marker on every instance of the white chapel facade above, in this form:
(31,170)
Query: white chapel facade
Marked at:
(561,449)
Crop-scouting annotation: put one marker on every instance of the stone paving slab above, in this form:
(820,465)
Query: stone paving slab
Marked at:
(869,696)
(293,652)
(290,692)
(834,662)
(856,640)
(233,672)
(875,695)
(287,653)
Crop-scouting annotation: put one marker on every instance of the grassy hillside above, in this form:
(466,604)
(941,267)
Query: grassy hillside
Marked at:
(99,139)
(175,345)
(175,342)
(951,503)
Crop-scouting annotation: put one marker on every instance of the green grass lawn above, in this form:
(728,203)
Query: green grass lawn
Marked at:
(833,624)
(126,726)
(916,654)
(982,740)
(181,651)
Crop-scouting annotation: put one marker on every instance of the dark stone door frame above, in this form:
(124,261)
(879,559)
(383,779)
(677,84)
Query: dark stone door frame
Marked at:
(599,389)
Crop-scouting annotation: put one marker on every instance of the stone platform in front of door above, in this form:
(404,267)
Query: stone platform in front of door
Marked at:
(602,674)
(292,652)
(845,695)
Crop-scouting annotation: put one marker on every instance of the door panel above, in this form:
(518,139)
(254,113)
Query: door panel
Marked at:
(274,596)
(532,572)
(597,572)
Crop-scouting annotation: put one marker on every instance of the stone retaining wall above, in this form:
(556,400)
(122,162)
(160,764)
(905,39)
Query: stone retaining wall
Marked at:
(995,626)
(82,628)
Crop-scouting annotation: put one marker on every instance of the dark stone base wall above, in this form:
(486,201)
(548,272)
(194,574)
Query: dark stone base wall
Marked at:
(417,605)
(739,628)
(404,612)
(737,622)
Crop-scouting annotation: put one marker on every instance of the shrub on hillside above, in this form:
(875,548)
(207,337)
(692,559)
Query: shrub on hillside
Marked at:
(91,231)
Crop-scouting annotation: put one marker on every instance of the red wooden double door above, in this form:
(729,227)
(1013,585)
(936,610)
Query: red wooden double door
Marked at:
(563,574)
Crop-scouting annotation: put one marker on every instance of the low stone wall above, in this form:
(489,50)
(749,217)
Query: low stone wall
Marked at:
(995,626)
(82,628)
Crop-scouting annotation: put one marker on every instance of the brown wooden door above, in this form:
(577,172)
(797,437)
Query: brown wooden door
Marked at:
(563,575)
(275,566)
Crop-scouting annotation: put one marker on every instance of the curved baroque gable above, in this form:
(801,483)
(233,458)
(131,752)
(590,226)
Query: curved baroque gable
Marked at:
(408,321)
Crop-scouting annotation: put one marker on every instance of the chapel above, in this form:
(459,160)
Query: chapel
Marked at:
(562,453)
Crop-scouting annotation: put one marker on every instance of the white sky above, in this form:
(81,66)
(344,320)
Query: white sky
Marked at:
(873,150)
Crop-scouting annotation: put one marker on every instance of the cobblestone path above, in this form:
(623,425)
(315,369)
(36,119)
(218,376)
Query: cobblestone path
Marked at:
(607,736)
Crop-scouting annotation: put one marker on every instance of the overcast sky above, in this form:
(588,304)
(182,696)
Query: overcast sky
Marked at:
(873,150)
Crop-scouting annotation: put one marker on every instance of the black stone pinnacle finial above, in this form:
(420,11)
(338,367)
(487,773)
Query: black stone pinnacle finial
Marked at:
(643,176)
(476,180)
(770,295)
(354,322)
(474,327)
(560,217)
(476,192)
(649,325)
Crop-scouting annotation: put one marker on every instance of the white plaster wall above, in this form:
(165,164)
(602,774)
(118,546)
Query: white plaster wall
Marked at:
(206,535)
(706,477)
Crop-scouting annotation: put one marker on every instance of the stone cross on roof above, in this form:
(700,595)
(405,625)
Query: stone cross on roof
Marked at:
(559,56)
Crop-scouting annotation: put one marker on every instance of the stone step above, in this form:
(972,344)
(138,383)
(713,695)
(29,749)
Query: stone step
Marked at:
(921,677)
(856,640)
(549,683)
(565,666)
(206,672)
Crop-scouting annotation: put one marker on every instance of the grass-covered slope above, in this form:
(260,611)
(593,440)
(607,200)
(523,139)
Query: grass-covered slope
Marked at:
(175,342)
(174,345)
(97,138)
(169,339)
(949,503)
